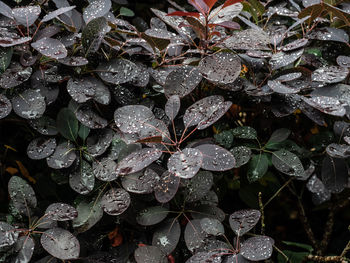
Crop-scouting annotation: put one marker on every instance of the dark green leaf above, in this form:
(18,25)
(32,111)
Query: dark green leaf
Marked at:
(278,136)
(257,167)
(126,12)
(5,58)
(83,132)
(307,247)
(67,124)
(245,132)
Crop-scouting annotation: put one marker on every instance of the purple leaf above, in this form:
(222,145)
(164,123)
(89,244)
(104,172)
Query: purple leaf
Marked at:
(185,163)
(216,158)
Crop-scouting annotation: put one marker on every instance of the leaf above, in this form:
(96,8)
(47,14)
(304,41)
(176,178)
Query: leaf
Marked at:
(226,24)
(89,213)
(15,75)
(63,156)
(149,254)
(26,16)
(151,215)
(282,59)
(243,221)
(117,71)
(182,81)
(5,58)
(56,13)
(225,12)
(44,125)
(278,87)
(212,226)
(99,142)
(278,136)
(93,34)
(334,174)
(182,13)
(61,212)
(89,118)
(172,106)
(22,195)
(5,106)
(313,11)
(249,39)
(95,9)
(257,167)
(138,160)
(343,61)
(194,235)
(166,187)
(167,236)
(24,248)
(50,47)
(74,61)
(105,169)
(288,163)
(132,118)
(67,124)
(216,158)
(82,179)
(126,12)
(330,74)
(41,148)
(329,34)
(343,16)
(185,163)
(326,104)
(5,10)
(257,248)
(198,187)
(156,42)
(8,235)
(338,150)
(306,247)
(245,132)
(140,183)
(115,201)
(220,68)
(60,243)
(241,154)
(83,132)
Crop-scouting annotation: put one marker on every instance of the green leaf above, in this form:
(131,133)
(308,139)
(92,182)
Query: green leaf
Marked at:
(257,6)
(89,213)
(5,58)
(93,34)
(156,42)
(224,138)
(67,124)
(126,12)
(257,167)
(299,245)
(83,132)
(288,163)
(278,136)
(245,132)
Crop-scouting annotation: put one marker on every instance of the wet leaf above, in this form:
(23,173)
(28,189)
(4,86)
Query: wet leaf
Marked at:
(225,13)
(338,150)
(241,154)
(7,235)
(257,248)
(278,136)
(99,142)
(61,212)
(216,158)
(22,195)
(56,13)
(329,34)
(67,124)
(343,61)
(295,44)
(89,118)
(15,75)
(93,34)
(220,68)
(105,169)
(89,213)
(334,174)
(243,221)
(24,248)
(26,16)
(185,163)
(326,104)
(117,71)
(5,10)
(83,132)
(172,106)
(214,114)
(249,39)
(194,235)
(5,106)
(151,215)
(167,235)
(132,118)
(282,59)
(204,210)
(41,148)
(60,243)
(115,201)
(82,179)
(288,163)
(212,226)
(245,132)
(74,61)
(330,74)
(182,81)
(138,160)
(289,77)
(5,58)
(278,87)
(140,183)
(319,192)
(63,157)
(44,125)
(50,47)
(198,187)
(96,8)
(166,187)
(236,258)
(149,254)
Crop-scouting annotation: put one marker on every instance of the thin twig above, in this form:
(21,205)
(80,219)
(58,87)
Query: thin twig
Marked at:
(261,206)
(327,258)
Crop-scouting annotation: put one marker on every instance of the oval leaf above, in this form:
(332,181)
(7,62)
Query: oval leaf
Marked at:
(216,158)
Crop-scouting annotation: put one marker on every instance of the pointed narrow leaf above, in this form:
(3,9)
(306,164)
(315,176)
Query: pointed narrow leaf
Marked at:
(56,13)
